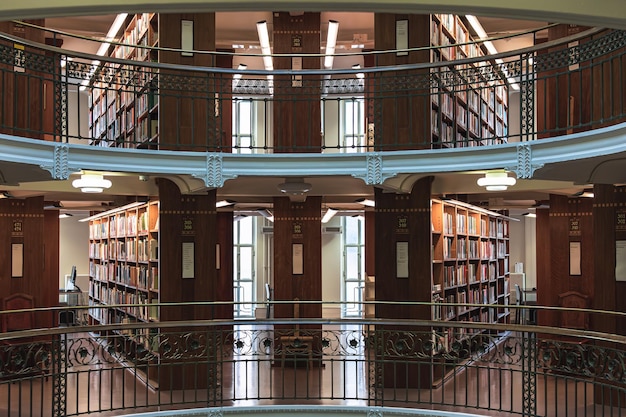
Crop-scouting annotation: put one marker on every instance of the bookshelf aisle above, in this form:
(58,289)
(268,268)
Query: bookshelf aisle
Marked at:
(124,273)
(124,112)
(470,257)
(468,113)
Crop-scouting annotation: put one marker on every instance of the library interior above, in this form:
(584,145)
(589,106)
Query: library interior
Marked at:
(228,208)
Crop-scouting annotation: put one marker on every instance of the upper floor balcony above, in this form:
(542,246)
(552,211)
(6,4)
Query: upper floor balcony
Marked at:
(436,97)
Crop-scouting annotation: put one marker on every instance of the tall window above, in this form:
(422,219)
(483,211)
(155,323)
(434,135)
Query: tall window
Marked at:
(243,122)
(353,265)
(244,267)
(353,124)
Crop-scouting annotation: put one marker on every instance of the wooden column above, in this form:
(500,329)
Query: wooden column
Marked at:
(405,114)
(607,211)
(188,119)
(297,112)
(403,229)
(224,265)
(23,90)
(569,223)
(24,223)
(187,237)
(298,256)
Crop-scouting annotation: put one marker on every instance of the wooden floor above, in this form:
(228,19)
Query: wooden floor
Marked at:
(246,381)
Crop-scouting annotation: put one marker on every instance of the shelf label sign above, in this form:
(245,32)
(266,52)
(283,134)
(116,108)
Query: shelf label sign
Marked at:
(574,226)
(620,220)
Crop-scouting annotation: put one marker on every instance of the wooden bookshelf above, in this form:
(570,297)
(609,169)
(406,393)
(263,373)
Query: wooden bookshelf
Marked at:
(125,112)
(473,114)
(124,269)
(470,257)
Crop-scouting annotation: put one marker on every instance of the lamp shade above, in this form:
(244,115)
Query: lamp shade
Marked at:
(496,181)
(91,183)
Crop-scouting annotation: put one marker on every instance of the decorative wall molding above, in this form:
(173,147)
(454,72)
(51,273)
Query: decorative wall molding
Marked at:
(59,167)
(525,168)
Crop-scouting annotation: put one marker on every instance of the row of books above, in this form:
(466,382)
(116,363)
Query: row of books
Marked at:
(141,277)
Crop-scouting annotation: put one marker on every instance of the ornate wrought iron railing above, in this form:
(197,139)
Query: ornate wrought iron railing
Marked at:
(565,86)
(495,368)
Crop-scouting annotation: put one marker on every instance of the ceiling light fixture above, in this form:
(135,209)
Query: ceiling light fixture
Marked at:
(367,202)
(104,46)
(224,203)
(584,193)
(531,215)
(264,39)
(91,183)
(295,187)
(267,214)
(331,43)
(480,32)
(330,213)
(241,67)
(65,215)
(496,181)
(358,75)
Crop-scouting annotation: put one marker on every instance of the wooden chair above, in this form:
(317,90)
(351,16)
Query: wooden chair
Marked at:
(574,319)
(296,346)
(32,352)
(18,321)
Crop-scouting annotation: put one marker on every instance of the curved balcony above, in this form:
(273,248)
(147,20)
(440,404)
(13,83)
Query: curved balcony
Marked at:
(497,369)
(456,115)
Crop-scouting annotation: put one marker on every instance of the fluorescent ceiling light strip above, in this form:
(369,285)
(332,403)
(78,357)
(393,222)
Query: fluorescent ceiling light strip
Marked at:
(240,67)
(480,31)
(331,43)
(266,50)
(330,213)
(104,47)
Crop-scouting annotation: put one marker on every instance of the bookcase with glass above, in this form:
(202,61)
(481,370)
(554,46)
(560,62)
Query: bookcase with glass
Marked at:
(467,109)
(124,110)
(124,270)
(470,257)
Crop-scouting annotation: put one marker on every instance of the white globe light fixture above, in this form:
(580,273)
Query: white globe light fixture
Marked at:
(91,183)
(496,181)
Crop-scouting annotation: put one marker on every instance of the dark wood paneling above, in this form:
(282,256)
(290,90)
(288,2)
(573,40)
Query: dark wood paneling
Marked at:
(51,237)
(224,283)
(405,114)
(224,120)
(404,218)
(298,223)
(23,92)
(187,113)
(197,211)
(415,208)
(606,289)
(554,234)
(40,277)
(188,218)
(544,270)
(297,113)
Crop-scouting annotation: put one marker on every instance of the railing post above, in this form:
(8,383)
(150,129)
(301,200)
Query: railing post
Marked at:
(527,97)
(529,374)
(59,375)
(60,110)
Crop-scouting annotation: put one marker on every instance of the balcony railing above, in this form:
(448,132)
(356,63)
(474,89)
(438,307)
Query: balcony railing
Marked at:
(555,88)
(493,368)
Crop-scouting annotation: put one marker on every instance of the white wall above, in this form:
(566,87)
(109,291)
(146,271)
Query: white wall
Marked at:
(331,270)
(522,247)
(73,249)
